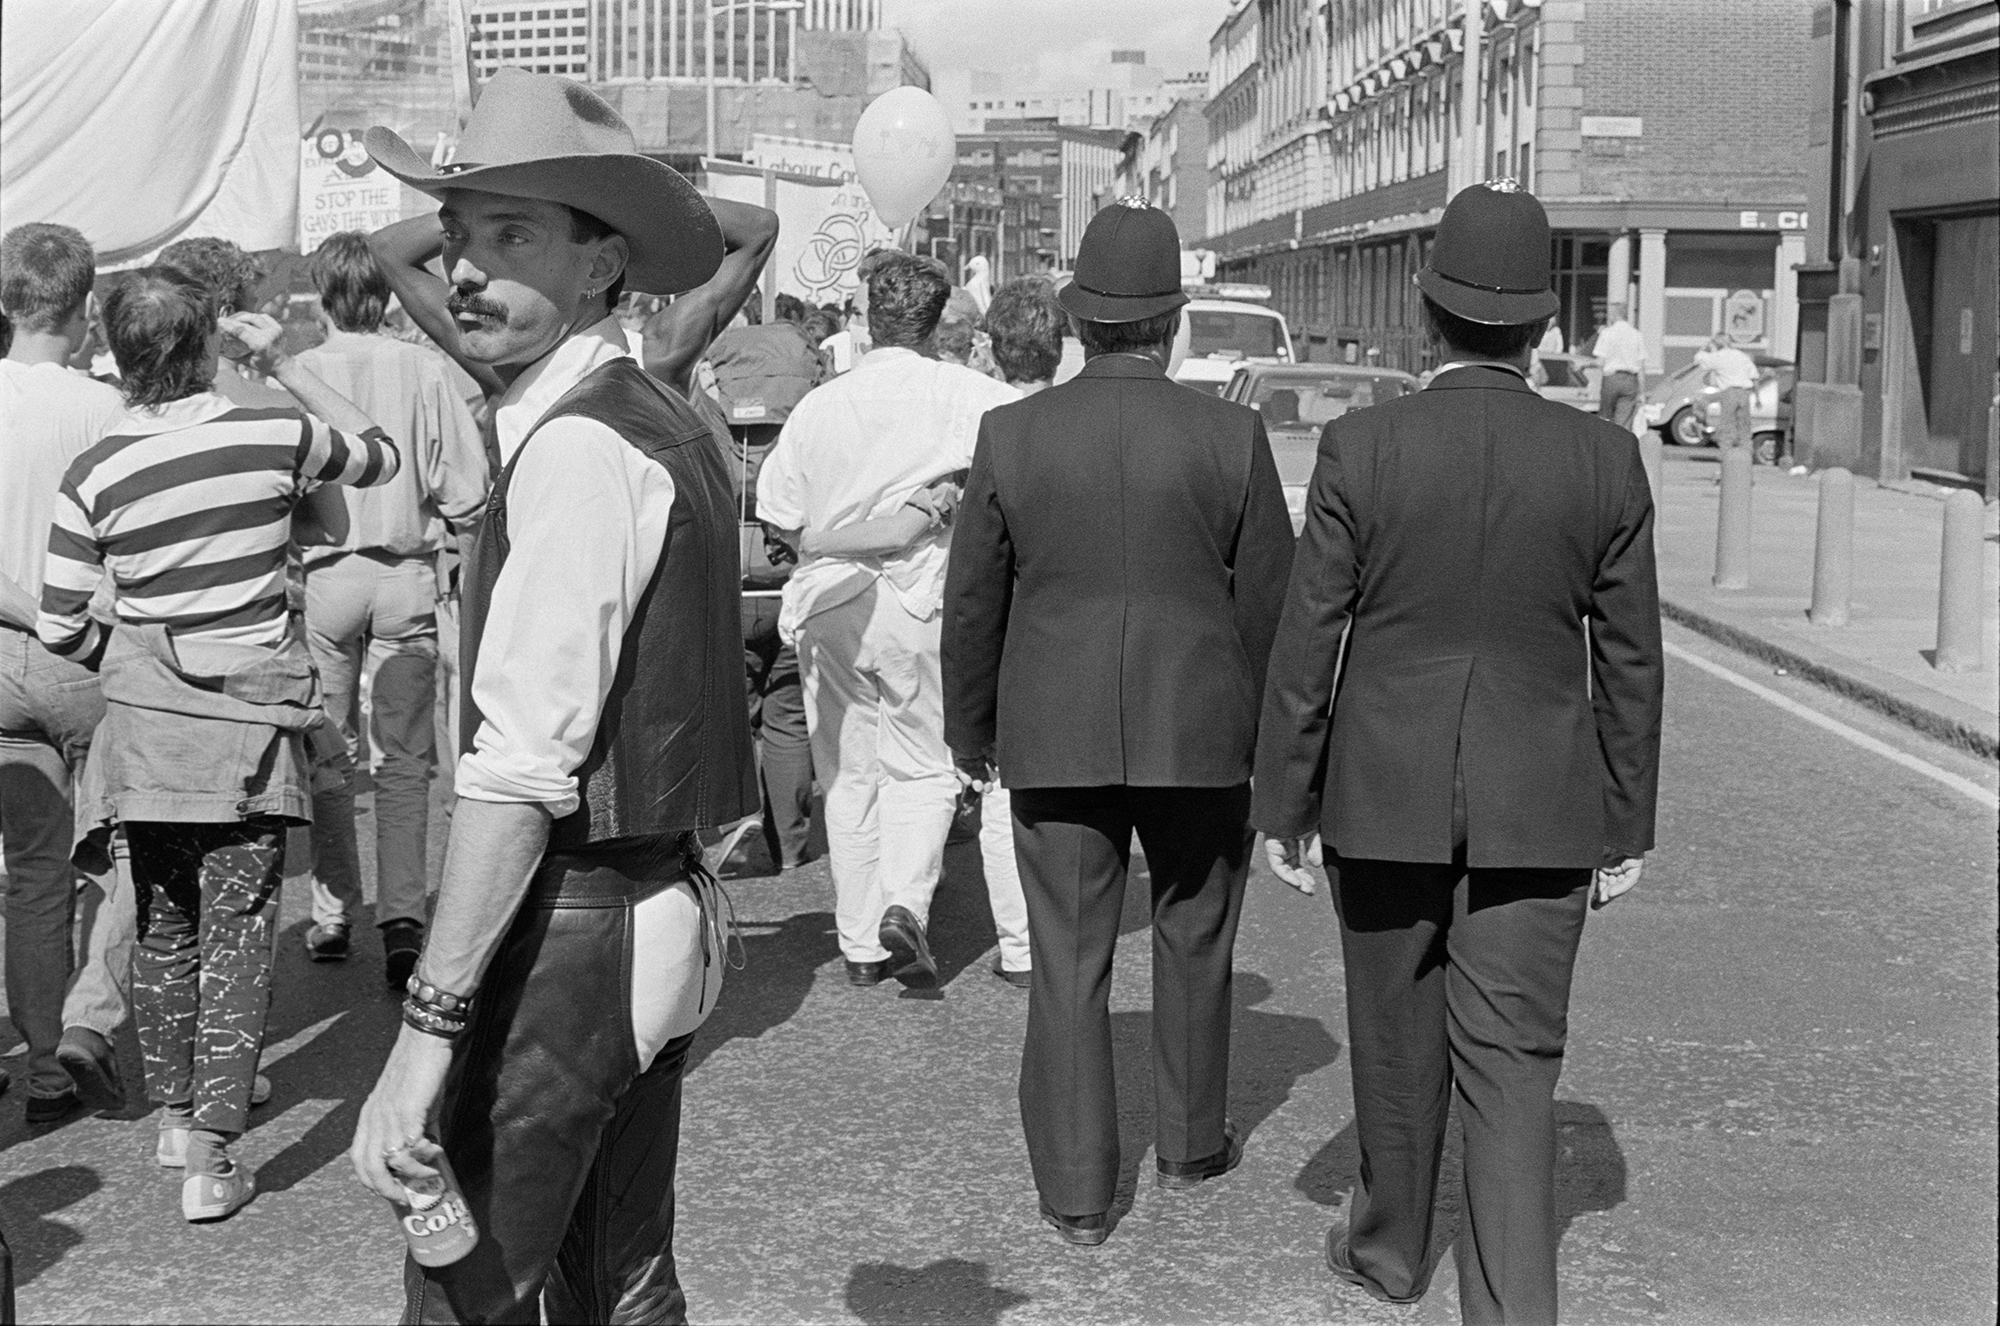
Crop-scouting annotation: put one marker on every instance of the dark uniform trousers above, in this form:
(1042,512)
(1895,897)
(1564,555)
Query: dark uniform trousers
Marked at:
(1074,845)
(565,1148)
(1458,978)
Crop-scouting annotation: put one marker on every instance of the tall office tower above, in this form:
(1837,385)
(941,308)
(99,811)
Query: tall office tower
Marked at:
(618,41)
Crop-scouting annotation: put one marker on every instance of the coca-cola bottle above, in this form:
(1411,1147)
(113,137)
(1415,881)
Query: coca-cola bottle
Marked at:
(434,1218)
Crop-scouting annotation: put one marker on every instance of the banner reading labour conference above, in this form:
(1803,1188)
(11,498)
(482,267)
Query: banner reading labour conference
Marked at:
(825,221)
(341,188)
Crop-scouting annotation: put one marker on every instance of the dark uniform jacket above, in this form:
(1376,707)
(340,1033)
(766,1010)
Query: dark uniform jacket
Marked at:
(1461,538)
(1117,568)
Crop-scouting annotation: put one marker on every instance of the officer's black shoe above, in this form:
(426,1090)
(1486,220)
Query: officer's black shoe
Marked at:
(1086,1231)
(866,973)
(1193,1173)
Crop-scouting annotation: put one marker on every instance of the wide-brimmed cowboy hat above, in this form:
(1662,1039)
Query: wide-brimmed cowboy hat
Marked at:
(1490,261)
(1128,265)
(539,136)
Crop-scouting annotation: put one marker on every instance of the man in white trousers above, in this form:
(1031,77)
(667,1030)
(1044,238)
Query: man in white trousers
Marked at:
(864,608)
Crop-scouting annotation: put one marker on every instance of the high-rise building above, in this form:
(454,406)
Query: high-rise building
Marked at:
(542,39)
(615,41)
(1117,94)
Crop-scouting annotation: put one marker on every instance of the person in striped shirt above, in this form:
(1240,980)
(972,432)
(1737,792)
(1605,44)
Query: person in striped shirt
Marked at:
(186,506)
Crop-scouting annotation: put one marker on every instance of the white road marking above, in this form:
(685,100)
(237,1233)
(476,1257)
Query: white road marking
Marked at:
(299,1041)
(1963,786)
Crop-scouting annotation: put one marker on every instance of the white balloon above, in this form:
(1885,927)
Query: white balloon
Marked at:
(903,152)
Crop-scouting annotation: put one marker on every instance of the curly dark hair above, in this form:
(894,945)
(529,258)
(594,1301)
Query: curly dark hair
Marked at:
(159,321)
(906,297)
(227,272)
(1027,327)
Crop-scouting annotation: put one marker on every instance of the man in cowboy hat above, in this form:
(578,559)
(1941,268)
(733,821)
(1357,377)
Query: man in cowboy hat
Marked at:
(1477,788)
(575,946)
(1115,581)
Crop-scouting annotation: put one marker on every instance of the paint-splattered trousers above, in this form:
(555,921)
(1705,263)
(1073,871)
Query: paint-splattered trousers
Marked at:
(201,978)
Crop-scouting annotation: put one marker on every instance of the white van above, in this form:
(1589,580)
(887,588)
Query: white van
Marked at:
(1226,333)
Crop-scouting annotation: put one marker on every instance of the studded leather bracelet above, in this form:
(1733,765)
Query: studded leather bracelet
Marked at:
(439,1001)
(421,1018)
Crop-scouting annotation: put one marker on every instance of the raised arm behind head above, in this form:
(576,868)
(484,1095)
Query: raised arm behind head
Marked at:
(679,334)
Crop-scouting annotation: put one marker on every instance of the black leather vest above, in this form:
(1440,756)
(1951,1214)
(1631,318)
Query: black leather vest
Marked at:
(672,751)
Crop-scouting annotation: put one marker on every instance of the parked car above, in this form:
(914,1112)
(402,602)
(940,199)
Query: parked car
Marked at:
(1224,334)
(1687,410)
(1298,400)
(1569,379)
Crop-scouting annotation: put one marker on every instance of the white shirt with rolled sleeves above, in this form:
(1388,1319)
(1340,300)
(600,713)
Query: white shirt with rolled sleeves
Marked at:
(858,447)
(587,518)
(1621,349)
(1729,367)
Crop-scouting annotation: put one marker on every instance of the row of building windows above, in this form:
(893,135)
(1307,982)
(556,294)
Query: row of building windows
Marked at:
(528,15)
(531,52)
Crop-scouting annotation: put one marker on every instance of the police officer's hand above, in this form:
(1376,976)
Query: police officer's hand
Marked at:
(1292,859)
(1613,882)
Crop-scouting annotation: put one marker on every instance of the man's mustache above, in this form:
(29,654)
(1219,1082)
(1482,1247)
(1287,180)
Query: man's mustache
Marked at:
(473,304)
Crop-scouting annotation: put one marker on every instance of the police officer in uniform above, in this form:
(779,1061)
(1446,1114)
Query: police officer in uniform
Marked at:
(1116,571)
(1481,761)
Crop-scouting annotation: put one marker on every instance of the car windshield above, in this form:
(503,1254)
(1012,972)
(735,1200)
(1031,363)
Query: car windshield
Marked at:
(1294,403)
(1247,335)
(1562,373)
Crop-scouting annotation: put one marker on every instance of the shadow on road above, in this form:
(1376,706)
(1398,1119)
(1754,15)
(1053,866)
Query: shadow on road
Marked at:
(780,962)
(1590,1170)
(36,1242)
(350,1052)
(951,1290)
(1268,1054)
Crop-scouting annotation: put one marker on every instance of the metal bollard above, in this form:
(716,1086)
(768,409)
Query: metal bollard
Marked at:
(1833,549)
(1650,455)
(1961,595)
(1732,524)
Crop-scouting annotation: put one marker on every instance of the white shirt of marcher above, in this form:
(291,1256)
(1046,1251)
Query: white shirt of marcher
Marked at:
(1729,366)
(587,518)
(1620,348)
(858,447)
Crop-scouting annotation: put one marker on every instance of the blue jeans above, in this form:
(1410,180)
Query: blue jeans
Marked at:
(49,709)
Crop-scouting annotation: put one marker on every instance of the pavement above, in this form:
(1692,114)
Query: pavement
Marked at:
(1779,1104)
(1882,657)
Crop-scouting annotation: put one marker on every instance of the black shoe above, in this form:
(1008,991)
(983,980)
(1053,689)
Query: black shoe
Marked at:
(1183,1174)
(1340,1260)
(93,1066)
(402,943)
(52,1109)
(909,955)
(1086,1231)
(1020,980)
(866,973)
(327,943)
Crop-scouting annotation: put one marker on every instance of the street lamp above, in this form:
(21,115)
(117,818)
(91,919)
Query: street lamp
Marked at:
(790,7)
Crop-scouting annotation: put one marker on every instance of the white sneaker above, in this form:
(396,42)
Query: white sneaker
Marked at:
(217,1196)
(172,1150)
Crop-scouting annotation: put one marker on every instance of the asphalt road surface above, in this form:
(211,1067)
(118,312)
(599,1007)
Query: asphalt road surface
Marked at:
(1779,1103)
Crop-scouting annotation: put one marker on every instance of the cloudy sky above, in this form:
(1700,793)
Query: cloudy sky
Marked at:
(1057,40)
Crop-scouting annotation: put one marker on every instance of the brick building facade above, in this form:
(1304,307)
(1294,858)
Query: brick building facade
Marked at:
(1673,171)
